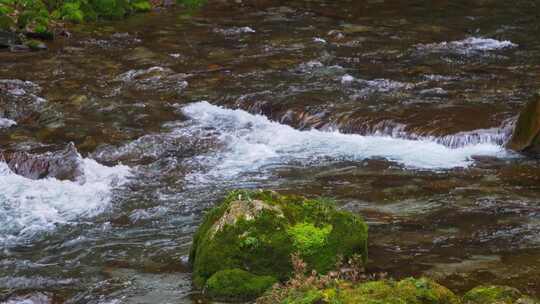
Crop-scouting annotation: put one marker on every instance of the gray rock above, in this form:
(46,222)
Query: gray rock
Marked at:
(63,165)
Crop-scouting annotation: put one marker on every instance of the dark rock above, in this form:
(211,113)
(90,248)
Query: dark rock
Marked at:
(527,130)
(8,39)
(18,48)
(63,165)
(40,35)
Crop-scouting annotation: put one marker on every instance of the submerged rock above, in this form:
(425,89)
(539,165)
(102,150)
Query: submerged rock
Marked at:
(62,165)
(527,130)
(155,79)
(21,103)
(258,231)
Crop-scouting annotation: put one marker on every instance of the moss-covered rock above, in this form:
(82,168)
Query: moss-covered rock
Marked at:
(408,291)
(237,284)
(526,136)
(496,295)
(258,231)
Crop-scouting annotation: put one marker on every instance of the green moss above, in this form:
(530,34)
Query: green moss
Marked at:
(111,9)
(307,238)
(71,11)
(492,294)
(408,291)
(237,285)
(141,5)
(5,9)
(259,230)
(425,291)
(6,23)
(311,296)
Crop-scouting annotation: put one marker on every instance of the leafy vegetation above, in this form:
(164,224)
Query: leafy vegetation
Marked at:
(39,16)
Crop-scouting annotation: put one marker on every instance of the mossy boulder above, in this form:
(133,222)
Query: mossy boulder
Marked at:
(496,295)
(258,231)
(237,285)
(407,291)
(526,135)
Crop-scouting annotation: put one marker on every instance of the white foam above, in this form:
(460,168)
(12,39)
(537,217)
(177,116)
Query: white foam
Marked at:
(347,78)
(469,44)
(29,207)
(253,142)
(6,123)
(235,30)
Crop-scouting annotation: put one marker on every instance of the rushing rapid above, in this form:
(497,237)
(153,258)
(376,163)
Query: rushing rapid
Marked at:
(253,142)
(30,208)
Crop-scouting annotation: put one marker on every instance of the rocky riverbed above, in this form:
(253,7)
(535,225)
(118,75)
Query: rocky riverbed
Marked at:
(402,112)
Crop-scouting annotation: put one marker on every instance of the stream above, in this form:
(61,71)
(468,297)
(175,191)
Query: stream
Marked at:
(400,110)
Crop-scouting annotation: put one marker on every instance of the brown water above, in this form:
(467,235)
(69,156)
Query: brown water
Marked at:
(419,152)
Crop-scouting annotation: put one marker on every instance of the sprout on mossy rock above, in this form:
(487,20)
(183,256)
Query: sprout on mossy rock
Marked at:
(258,231)
(496,295)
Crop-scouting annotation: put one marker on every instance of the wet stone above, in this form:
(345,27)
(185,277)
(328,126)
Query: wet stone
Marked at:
(157,79)
(62,165)
(8,39)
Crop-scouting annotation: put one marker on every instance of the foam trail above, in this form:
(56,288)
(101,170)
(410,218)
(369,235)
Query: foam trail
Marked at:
(253,141)
(471,44)
(29,207)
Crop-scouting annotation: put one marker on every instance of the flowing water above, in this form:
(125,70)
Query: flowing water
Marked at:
(398,109)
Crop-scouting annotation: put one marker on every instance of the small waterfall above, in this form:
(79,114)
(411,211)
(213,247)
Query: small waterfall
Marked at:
(497,135)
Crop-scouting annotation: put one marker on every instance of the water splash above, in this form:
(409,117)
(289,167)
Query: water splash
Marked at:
(496,136)
(30,207)
(252,142)
(7,123)
(468,45)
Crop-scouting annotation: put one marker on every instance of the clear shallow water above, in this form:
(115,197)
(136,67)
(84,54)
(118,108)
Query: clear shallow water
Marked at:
(398,111)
